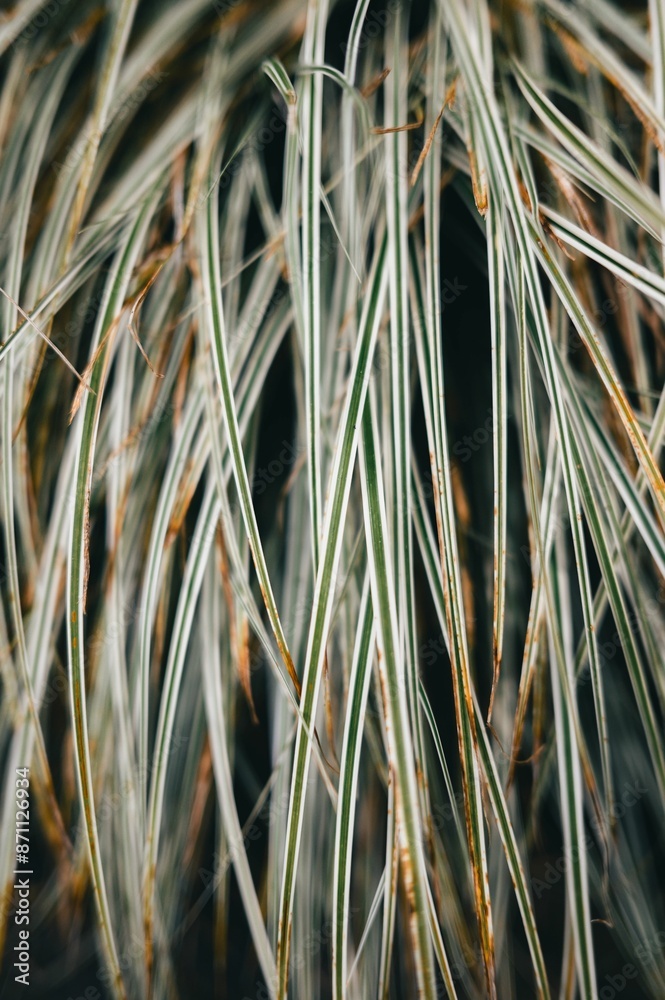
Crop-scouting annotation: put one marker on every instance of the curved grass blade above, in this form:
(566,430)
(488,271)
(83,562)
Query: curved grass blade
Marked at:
(209,242)
(77,574)
(492,777)
(432,386)
(214,700)
(399,739)
(359,681)
(499,430)
(397,212)
(340,478)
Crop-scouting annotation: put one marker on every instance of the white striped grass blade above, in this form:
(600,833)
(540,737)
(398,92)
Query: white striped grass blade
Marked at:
(340,478)
(398,731)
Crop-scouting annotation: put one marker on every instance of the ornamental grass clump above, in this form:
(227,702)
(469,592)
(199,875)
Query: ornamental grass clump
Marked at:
(332,564)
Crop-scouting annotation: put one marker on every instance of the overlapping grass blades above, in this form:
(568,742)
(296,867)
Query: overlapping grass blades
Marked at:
(332,418)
